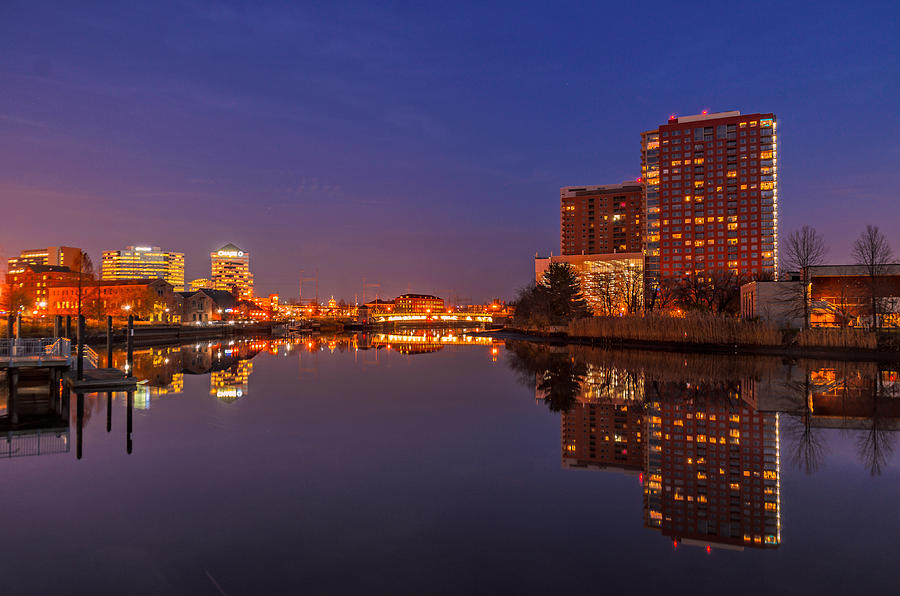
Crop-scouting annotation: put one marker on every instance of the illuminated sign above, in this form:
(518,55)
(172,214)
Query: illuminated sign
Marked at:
(143,248)
(231,253)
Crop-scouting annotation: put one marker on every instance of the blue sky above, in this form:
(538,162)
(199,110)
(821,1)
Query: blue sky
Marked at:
(417,145)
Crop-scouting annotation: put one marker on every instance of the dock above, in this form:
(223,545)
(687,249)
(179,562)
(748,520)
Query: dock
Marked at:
(100,379)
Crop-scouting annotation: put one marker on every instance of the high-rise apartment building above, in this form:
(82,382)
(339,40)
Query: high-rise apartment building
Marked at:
(144,262)
(231,269)
(710,194)
(601,219)
(55,256)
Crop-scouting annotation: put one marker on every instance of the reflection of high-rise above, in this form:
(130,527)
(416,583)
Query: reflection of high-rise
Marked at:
(231,383)
(713,469)
(603,428)
(160,367)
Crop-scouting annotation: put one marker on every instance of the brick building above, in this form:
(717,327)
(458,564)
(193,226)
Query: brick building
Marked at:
(601,219)
(34,282)
(418,303)
(147,299)
(711,197)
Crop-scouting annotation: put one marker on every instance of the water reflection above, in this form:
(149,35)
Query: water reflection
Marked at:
(706,435)
(35,422)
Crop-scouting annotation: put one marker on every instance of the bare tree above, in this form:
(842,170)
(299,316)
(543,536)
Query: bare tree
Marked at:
(84,267)
(804,248)
(872,251)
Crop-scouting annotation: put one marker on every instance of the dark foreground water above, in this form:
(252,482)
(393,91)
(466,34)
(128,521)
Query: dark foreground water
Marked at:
(407,466)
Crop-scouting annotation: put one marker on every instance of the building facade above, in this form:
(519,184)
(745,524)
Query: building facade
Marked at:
(711,195)
(144,262)
(231,271)
(33,282)
(612,284)
(601,219)
(839,296)
(56,256)
(418,303)
(205,306)
(201,283)
(779,302)
(147,299)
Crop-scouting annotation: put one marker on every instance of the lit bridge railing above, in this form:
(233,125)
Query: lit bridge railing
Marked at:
(443,318)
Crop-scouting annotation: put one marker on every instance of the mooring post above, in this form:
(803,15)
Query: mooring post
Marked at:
(12,376)
(80,355)
(79,422)
(128,417)
(130,357)
(109,332)
(66,401)
(53,387)
(57,326)
(108,411)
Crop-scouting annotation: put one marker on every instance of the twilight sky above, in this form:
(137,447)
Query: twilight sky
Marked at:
(415,144)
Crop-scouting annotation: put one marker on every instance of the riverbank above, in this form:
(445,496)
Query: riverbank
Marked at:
(152,335)
(784,351)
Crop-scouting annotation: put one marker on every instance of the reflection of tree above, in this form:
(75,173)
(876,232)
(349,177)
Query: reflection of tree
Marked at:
(554,375)
(804,443)
(876,445)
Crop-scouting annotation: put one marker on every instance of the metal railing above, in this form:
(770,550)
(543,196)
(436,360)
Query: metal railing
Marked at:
(91,356)
(34,442)
(34,349)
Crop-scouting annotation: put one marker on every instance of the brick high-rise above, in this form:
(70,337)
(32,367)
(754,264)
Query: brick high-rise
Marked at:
(601,219)
(710,193)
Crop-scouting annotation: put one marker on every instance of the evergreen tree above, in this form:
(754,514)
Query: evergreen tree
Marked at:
(563,294)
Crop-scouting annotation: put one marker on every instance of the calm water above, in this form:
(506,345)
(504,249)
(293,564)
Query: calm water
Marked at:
(389,464)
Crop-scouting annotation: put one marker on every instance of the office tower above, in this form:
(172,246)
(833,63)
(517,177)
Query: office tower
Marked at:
(710,194)
(54,256)
(231,269)
(601,219)
(144,262)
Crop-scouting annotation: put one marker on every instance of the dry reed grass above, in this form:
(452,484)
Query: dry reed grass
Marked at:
(841,337)
(694,328)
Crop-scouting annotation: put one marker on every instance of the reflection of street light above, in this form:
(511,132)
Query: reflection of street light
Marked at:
(126,308)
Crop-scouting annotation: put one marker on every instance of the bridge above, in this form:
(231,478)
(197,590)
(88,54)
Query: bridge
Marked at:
(448,318)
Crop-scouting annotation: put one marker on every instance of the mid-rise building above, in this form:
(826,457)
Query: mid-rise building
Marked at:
(601,219)
(144,262)
(34,283)
(418,303)
(231,271)
(201,283)
(147,299)
(56,256)
(710,195)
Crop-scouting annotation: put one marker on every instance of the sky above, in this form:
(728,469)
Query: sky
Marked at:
(416,145)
